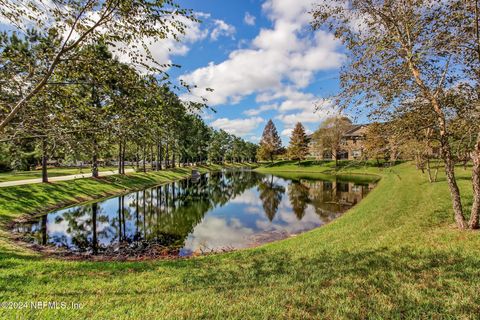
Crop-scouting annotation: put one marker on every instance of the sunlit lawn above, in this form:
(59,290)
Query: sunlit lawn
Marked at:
(397,255)
(52,172)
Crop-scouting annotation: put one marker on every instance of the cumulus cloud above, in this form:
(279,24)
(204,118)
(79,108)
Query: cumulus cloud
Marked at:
(249,19)
(278,57)
(165,49)
(261,109)
(287,132)
(221,28)
(238,127)
(305,116)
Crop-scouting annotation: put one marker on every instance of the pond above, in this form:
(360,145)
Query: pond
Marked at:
(214,212)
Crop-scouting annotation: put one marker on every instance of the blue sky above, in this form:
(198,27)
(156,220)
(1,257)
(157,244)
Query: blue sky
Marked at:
(263,61)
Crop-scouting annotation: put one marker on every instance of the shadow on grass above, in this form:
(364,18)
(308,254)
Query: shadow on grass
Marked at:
(403,283)
(372,282)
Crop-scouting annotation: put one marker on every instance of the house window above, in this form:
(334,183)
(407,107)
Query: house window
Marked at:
(356,153)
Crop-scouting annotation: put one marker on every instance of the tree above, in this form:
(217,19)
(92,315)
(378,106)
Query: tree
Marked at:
(376,144)
(130,25)
(329,136)
(399,51)
(467,50)
(298,148)
(270,144)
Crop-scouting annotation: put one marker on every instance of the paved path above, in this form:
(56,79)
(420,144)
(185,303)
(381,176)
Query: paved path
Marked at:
(61,178)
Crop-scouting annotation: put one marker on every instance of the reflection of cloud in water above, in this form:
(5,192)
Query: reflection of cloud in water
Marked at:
(215,233)
(60,228)
(286,221)
(254,210)
(249,197)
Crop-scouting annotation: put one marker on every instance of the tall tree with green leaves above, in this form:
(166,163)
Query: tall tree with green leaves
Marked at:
(130,24)
(298,147)
(270,144)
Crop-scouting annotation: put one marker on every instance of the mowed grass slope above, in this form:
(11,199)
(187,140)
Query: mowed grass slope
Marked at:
(396,255)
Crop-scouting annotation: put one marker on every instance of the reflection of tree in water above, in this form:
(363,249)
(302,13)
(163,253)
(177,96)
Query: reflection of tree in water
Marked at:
(163,215)
(271,195)
(330,198)
(298,195)
(81,228)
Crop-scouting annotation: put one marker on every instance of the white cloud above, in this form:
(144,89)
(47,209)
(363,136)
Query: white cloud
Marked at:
(163,50)
(314,111)
(221,28)
(216,234)
(249,19)
(279,57)
(263,108)
(238,127)
(287,132)
(254,139)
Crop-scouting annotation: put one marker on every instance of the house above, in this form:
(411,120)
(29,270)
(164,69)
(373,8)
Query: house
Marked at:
(352,145)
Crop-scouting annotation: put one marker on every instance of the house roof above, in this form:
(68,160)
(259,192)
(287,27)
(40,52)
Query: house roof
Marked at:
(353,132)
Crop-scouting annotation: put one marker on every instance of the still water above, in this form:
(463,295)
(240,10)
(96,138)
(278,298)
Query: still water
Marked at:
(215,212)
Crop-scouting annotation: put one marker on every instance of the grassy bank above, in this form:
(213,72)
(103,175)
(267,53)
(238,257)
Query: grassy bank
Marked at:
(396,255)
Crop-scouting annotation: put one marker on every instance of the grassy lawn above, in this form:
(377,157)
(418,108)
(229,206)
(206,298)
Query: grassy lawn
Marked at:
(396,255)
(52,172)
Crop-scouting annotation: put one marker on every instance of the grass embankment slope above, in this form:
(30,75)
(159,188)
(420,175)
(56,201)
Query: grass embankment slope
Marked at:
(396,255)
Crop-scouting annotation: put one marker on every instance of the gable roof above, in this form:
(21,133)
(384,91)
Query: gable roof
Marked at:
(353,132)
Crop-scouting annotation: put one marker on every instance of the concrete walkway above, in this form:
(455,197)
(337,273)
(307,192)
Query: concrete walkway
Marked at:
(61,178)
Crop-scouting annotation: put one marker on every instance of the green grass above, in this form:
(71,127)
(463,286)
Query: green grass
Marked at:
(52,172)
(397,255)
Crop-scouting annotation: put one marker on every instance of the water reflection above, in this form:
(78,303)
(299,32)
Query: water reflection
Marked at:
(221,210)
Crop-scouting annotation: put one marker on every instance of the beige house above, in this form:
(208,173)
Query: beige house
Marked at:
(352,145)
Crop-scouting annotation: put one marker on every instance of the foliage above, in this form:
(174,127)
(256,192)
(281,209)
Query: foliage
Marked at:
(298,147)
(130,26)
(401,52)
(270,144)
(328,138)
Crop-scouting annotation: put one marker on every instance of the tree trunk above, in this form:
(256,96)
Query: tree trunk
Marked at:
(137,158)
(474,216)
(123,156)
(144,156)
(120,157)
(431,178)
(452,184)
(152,165)
(167,159)
(95,159)
(173,158)
(44,160)
(159,157)
(445,146)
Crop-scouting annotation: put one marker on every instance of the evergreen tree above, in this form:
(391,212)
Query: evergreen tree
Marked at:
(270,143)
(298,148)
